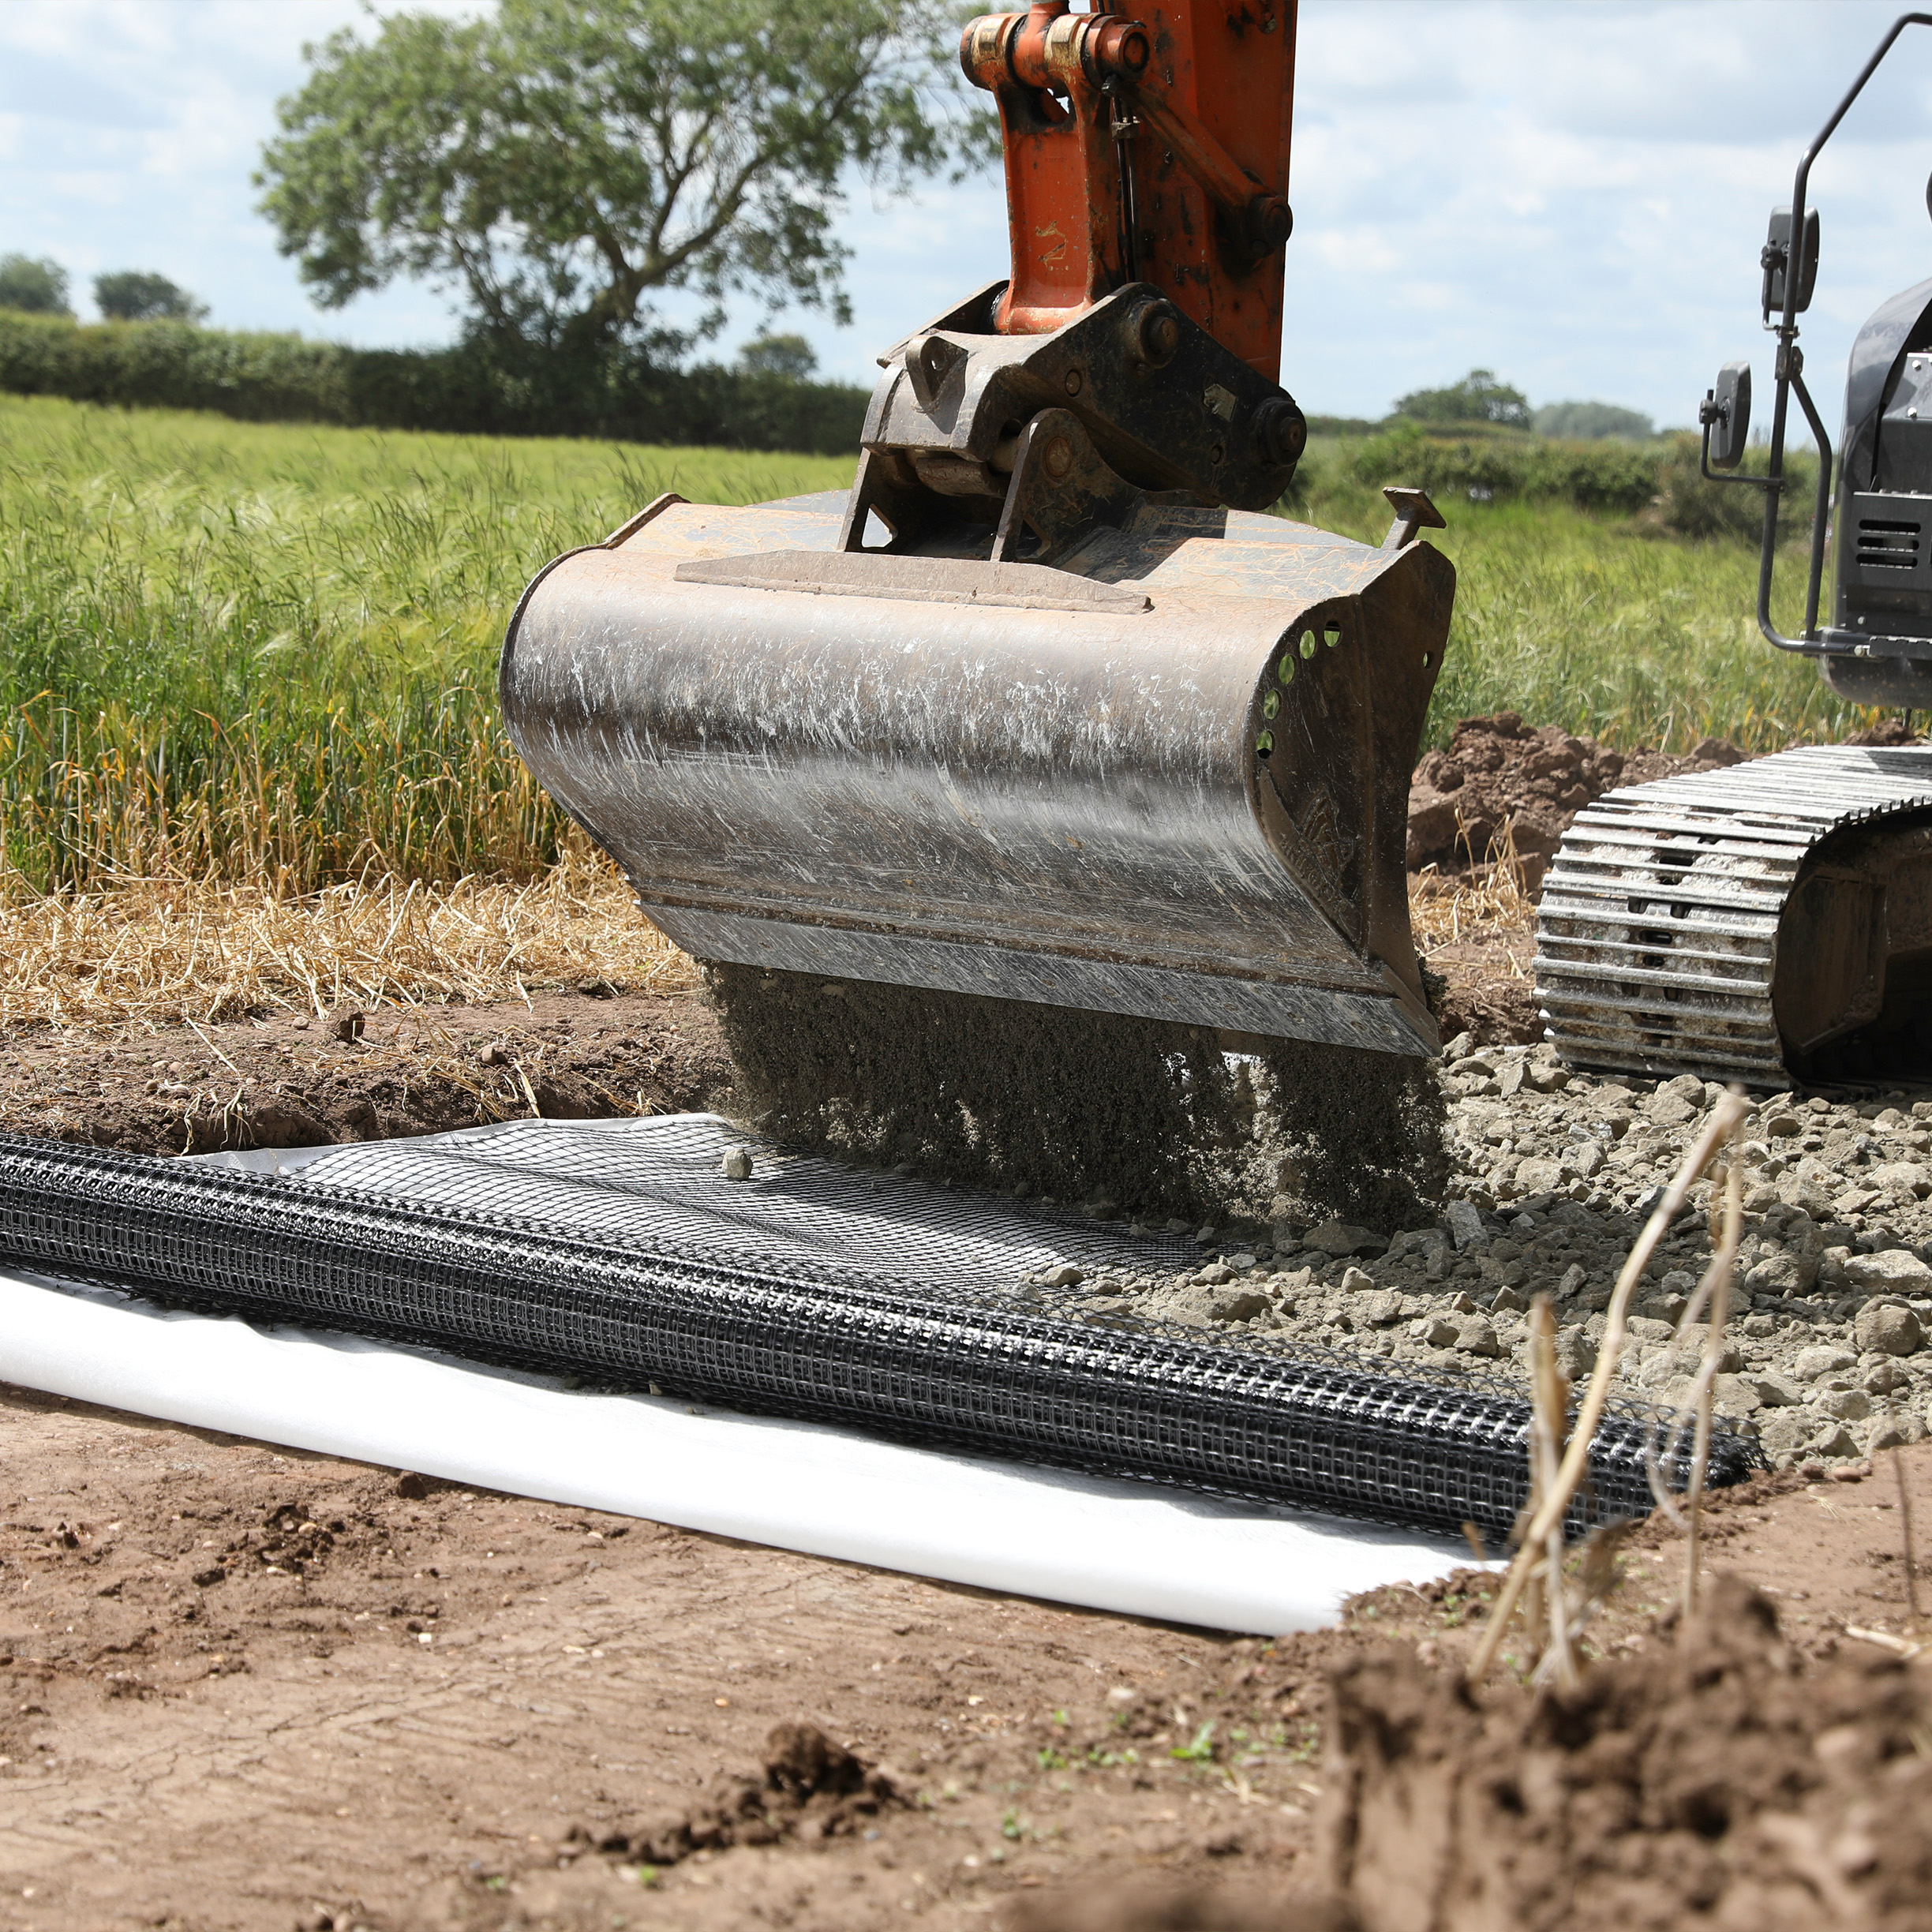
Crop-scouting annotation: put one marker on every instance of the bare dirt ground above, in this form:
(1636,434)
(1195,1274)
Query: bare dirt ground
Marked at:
(298,1080)
(247,1688)
(1487,983)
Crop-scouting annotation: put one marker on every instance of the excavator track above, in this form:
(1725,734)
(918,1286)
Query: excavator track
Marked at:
(1768,923)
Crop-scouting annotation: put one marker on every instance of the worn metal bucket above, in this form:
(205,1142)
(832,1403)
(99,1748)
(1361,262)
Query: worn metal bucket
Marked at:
(1168,778)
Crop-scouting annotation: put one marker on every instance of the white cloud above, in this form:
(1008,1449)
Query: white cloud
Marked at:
(128,132)
(1574,195)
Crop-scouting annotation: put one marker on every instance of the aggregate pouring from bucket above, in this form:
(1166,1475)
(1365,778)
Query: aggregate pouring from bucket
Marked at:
(1116,816)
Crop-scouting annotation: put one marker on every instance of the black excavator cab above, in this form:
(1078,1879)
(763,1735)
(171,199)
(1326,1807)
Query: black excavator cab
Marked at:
(1877,649)
(1772,923)
(1883,526)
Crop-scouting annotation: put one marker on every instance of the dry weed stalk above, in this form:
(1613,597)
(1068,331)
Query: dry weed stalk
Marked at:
(169,950)
(1905,1530)
(1713,1293)
(1489,899)
(1545,1602)
(1550,1510)
(1558,1608)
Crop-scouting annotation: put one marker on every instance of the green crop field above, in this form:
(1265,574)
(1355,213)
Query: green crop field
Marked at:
(1606,626)
(267,654)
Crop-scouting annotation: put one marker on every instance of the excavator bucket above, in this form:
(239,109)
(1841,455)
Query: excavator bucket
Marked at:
(1039,804)
(1166,778)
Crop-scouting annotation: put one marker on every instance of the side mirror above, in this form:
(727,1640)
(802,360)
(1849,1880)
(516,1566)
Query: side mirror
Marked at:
(1777,258)
(1725,414)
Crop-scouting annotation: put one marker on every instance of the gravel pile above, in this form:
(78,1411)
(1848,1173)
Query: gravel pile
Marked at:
(1830,1342)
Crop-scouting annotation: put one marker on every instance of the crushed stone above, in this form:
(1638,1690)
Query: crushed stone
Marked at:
(1829,1346)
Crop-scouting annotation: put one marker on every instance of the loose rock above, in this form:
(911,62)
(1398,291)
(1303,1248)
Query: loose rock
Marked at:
(1338,1238)
(1378,1308)
(1466,1227)
(1895,1268)
(1813,1363)
(1890,1330)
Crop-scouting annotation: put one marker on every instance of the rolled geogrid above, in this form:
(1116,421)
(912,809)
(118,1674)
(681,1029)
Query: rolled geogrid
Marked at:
(796,1337)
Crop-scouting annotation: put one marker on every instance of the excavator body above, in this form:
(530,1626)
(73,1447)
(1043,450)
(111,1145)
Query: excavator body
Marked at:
(1770,923)
(1046,709)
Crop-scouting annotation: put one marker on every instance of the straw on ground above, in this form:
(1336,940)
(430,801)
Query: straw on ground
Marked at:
(167,951)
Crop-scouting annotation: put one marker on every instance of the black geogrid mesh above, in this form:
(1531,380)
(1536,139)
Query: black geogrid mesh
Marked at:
(805,1338)
(658,1181)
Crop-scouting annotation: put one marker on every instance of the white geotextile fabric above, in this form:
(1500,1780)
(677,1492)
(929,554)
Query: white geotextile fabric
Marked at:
(1135,1549)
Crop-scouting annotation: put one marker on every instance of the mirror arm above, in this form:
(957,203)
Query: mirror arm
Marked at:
(1719,476)
(1790,376)
(1774,478)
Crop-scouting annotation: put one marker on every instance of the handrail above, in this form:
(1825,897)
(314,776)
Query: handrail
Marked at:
(1790,374)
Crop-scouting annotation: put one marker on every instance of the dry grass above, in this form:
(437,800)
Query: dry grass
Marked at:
(1489,903)
(164,951)
(161,951)
(1539,1541)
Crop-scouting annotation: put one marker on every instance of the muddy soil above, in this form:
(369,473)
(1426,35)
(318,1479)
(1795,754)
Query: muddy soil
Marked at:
(1486,988)
(242,1688)
(295,1081)
(1713,1782)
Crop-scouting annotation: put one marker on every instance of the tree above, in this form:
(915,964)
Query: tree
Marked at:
(37,285)
(556,161)
(129,295)
(791,356)
(1590,422)
(1478,398)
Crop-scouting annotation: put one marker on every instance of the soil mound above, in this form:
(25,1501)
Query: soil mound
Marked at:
(1499,775)
(1716,1782)
(1890,732)
(808,1787)
(1136,1907)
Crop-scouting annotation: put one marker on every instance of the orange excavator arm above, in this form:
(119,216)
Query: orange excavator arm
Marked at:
(1046,711)
(1132,356)
(1145,147)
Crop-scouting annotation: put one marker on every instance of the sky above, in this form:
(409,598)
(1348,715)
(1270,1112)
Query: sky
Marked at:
(1571,192)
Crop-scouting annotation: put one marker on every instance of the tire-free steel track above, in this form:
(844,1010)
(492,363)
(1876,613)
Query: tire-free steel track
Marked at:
(1664,928)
